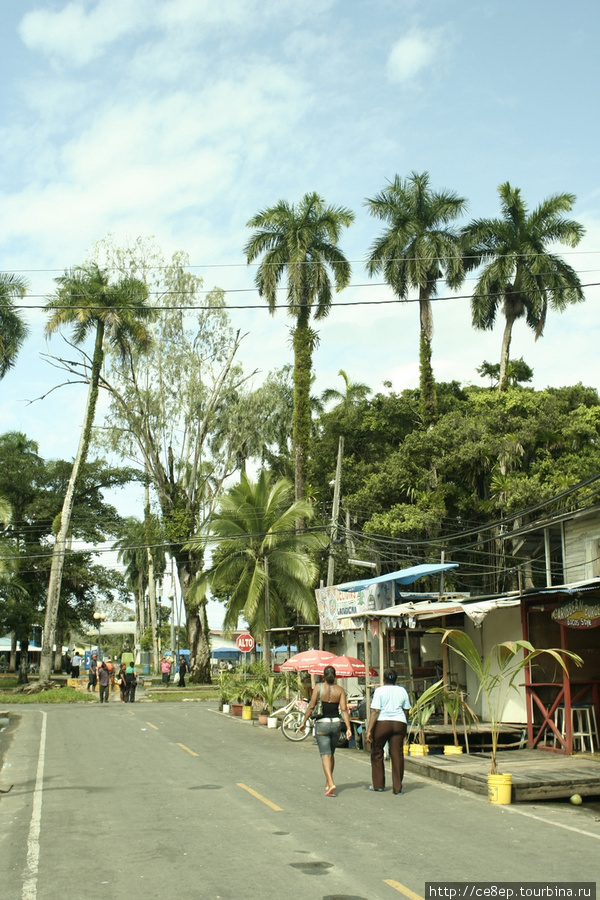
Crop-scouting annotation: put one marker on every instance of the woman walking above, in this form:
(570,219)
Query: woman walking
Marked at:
(332,699)
(388,725)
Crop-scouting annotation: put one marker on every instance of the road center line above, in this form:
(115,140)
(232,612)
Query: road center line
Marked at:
(152,726)
(33,839)
(403,890)
(259,796)
(187,749)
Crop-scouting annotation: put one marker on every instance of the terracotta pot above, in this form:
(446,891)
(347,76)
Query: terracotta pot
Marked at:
(236,709)
(263,718)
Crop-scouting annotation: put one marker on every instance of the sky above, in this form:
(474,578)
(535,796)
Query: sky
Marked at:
(182,118)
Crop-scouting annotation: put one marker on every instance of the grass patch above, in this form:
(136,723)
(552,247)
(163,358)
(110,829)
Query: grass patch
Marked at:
(54,695)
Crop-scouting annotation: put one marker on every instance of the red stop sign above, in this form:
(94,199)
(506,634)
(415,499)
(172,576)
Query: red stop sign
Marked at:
(245,643)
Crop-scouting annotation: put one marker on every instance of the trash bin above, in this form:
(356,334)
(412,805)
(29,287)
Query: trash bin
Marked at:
(145,669)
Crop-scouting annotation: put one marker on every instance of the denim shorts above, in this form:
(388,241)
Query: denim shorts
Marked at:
(328,736)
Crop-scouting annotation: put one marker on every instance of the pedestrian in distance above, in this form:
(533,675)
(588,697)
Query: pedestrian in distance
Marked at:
(103,682)
(122,682)
(332,701)
(182,671)
(131,682)
(111,672)
(387,725)
(93,672)
(165,668)
(76,661)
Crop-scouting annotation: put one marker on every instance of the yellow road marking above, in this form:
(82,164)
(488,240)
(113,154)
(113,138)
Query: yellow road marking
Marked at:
(403,890)
(187,749)
(259,796)
(152,726)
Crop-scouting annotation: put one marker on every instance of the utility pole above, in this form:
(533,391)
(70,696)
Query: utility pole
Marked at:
(336,511)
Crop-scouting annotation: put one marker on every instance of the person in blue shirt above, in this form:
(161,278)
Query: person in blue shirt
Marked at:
(388,725)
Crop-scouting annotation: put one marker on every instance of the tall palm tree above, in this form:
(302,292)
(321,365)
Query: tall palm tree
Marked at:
(86,301)
(521,276)
(300,244)
(13,330)
(416,249)
(263,563)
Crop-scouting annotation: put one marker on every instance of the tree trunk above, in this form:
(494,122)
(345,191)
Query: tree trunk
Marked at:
(152,589)
(303,341)
(24,662)
(60,545)
(505,353)
(426,377)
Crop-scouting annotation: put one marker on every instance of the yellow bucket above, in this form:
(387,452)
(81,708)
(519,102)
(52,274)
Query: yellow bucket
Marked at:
(246,712)
(452,750)
(500,789)
(418,749)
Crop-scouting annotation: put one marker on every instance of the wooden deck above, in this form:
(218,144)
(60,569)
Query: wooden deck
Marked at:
(536,775)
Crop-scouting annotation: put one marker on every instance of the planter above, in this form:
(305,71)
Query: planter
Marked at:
(500,789)
(272,722)
(246,712)
(236,709)
(452,750)
(226,707)
(263,718)
(418,749)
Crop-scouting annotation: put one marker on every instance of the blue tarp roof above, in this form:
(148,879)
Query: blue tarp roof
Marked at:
(402,576)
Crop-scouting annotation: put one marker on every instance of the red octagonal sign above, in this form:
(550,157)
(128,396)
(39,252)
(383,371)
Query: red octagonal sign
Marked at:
(245,643)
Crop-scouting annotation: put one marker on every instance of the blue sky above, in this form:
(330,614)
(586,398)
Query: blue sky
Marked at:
(182,118)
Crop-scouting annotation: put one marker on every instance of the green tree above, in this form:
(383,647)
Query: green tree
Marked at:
(13,329)
(263,564)
(179,412)
(300,244)
(521,276)
(87,302)
(418,247)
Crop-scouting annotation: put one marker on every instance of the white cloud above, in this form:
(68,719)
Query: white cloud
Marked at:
(79,33)
(417,50)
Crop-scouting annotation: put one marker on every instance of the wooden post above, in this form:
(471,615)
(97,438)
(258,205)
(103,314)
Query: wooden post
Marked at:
(382,662)
(367,667)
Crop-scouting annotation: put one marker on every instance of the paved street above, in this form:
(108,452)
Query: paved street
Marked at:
(175,799)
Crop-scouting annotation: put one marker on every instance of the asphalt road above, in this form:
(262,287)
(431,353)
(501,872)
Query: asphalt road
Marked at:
(176,800)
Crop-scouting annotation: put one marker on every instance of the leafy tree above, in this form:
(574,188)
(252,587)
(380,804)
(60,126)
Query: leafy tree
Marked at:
(87,302)
(13,329)
(300,244)
(418,247)
(517,372)
(521,276)
(179,412)
(263,563)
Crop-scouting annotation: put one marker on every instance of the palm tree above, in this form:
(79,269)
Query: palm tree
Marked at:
(354,392)
(263,563)
(521,276)
(300,244)
(86,301)
(416,249)
(13,330)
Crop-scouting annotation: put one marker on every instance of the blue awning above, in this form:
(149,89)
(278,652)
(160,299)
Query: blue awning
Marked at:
(402,576)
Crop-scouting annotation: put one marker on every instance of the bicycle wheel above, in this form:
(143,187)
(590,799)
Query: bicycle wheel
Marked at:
(290,725)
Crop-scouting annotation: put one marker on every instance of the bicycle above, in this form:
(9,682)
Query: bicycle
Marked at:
(293,714)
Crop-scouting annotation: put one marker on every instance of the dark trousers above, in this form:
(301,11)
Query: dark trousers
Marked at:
(92,682)
(392,733)
(104,691)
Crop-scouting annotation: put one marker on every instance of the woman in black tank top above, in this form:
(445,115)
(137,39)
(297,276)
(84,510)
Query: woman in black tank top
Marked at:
(328,724)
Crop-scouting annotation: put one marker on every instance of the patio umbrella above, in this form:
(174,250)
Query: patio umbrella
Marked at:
(345,667)
(302,662)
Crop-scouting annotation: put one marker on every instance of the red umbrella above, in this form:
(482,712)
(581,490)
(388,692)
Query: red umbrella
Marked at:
(302,662)
(345,667)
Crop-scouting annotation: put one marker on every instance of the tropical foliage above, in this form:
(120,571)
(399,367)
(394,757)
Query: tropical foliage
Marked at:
(417,248)
(521,275)
(299,244)
(13,329)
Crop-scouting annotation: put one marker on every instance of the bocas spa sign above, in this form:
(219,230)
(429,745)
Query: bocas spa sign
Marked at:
(578,614)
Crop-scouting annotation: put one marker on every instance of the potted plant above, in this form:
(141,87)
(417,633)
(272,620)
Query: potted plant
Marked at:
(420,713)
(497,677)
(228,689)
(271,689)
(456,705)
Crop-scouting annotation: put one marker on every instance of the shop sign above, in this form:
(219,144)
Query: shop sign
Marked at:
(578,614)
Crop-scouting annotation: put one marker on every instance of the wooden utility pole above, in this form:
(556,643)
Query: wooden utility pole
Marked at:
(335,512)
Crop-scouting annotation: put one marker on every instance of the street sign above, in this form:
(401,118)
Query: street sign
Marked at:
(244,643)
